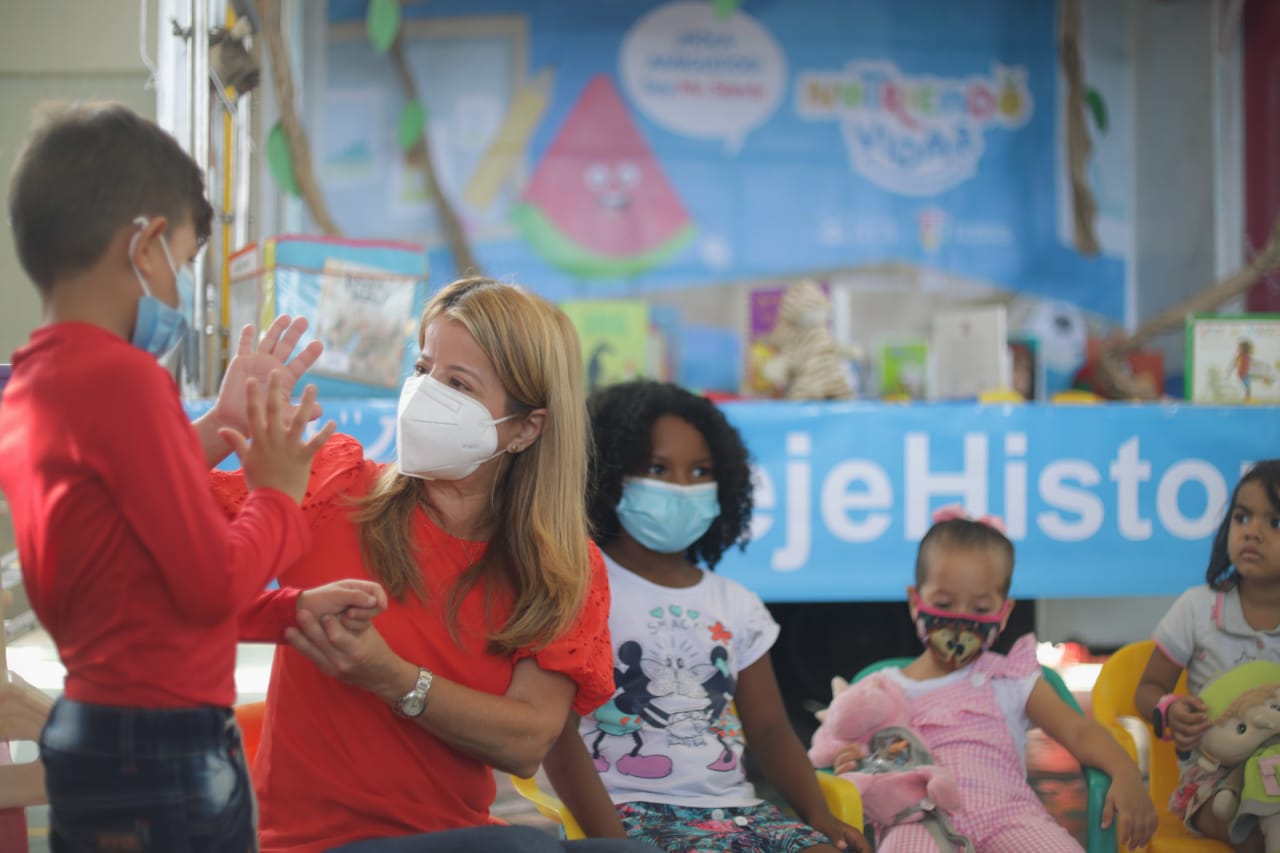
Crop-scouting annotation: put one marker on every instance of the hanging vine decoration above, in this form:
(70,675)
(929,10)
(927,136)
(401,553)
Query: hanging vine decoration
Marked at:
(1263,264)
(294,132)
(1084,208)
(1112,369)
(414,136)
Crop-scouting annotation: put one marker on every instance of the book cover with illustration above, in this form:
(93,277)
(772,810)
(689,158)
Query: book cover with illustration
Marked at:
(762,315)
(614,336)
(904,369)
(1233,359)
(361,297)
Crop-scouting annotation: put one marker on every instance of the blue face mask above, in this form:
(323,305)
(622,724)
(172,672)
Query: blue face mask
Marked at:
(664,517)
(158,328)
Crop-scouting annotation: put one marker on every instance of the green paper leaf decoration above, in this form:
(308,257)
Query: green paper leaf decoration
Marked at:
(726,8)
(413,121)
(1097,108)
(280,161)
(383,23)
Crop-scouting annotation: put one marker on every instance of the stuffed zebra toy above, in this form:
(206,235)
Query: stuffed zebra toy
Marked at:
(809,364)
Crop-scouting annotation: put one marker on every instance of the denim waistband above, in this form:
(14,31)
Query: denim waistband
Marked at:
(106,729)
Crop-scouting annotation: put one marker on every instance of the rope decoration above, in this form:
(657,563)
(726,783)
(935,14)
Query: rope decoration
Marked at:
(1084,208)
(295,133)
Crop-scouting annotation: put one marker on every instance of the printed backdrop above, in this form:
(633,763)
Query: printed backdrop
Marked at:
(1121,500)
(603,148)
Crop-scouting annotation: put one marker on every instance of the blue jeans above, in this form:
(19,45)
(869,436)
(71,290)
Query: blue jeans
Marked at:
(136,780)
(482,839)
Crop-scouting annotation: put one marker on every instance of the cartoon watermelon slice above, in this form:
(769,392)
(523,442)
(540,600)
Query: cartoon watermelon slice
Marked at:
(598,205)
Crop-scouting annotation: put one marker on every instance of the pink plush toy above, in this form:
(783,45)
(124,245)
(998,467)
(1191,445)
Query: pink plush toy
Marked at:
(897,778)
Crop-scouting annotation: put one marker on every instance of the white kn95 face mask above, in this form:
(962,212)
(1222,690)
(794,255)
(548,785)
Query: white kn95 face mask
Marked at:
(442,433)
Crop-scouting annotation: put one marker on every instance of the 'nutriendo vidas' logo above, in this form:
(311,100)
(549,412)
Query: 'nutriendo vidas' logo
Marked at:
(914,135)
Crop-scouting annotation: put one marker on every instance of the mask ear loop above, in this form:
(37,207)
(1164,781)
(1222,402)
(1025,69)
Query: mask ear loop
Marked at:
(142,222)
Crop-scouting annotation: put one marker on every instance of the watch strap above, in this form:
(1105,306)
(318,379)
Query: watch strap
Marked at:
(414,703)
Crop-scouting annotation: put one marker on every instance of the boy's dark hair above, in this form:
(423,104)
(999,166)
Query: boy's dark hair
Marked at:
(622,417)
(85,171)
(965,534)
(1221,574)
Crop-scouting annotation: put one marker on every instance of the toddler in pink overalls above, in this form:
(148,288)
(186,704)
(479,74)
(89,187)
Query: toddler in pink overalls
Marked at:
(973,707)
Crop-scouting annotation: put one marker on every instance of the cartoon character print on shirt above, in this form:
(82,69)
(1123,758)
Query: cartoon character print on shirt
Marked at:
(665,688)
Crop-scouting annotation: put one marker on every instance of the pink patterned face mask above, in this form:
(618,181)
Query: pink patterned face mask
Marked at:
(955,639)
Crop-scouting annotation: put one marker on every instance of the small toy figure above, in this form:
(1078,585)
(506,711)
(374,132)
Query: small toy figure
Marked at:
(1244,707)
(896,775)
(809,362)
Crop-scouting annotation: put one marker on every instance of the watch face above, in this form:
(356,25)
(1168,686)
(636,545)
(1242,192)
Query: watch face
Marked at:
(412,706)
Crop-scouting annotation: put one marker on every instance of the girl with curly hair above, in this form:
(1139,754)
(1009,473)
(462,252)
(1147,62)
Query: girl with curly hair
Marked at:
(670,493)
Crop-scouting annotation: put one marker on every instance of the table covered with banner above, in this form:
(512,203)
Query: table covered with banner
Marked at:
(1100,501)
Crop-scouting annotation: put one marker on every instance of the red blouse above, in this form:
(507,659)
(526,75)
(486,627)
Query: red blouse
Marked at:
(335,764)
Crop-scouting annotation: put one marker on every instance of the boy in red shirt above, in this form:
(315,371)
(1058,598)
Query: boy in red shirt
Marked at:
(127,561)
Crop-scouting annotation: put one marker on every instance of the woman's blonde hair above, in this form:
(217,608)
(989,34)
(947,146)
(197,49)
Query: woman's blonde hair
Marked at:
(538,548)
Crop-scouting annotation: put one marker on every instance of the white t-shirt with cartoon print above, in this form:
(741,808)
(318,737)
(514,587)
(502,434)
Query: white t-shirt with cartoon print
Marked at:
(671,734)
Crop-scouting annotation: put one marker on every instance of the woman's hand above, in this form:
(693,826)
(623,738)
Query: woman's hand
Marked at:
(842,835)
(274,454)
(355,602)
(363,659)
(847,758)
(1188,718)
(258,361)
(1129,806)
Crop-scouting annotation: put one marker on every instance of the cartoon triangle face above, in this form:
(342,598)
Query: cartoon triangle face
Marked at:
(599,204)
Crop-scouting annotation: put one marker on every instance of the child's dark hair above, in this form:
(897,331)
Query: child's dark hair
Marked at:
(966,534)
(85,171)
(1221,574)
(622,417)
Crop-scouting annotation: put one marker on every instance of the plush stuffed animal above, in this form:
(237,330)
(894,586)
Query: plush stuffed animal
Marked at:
(897,778)
(1244,734)
(809,363)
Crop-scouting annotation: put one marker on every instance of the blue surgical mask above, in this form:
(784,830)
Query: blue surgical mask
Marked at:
(664,517)
(158,328)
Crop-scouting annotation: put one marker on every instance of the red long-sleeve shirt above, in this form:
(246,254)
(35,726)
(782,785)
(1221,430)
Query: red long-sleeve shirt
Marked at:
(127,560)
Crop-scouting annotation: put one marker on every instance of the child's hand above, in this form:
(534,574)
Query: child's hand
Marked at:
(1188,720)
(848,757)
(842,835)
(277,457)
(1129,805)
(355,602)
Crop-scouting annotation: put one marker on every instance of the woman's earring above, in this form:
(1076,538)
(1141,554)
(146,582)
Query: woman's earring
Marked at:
(513,448)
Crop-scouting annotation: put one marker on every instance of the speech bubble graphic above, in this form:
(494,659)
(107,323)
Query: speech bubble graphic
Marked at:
(702,76)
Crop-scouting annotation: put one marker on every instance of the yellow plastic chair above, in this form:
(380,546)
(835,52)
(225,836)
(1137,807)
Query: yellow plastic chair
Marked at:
(1113,699)
(842,798)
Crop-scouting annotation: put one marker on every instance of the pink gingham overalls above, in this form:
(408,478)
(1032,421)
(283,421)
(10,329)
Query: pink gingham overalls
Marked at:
(966,731)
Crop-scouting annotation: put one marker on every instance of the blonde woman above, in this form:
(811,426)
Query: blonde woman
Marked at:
(497,623)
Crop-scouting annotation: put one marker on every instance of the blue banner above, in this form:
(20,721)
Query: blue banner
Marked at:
(609,149)
(1105,501)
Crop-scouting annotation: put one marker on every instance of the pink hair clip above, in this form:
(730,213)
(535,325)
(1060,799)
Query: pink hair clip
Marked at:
(951,512)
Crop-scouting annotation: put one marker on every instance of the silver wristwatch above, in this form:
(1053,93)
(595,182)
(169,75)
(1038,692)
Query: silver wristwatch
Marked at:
(413,703)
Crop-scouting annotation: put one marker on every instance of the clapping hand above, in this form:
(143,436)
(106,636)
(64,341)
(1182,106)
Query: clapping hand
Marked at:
(257,361)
